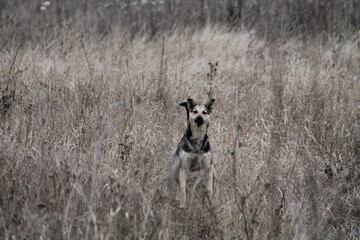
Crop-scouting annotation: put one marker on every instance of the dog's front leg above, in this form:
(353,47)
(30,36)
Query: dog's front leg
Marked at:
(207,175)
(182,188)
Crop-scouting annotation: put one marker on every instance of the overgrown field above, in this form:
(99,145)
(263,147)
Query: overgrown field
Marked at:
(89,126)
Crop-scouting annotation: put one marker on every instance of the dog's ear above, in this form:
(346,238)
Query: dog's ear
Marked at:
(189,104)
(209,104)
(184,104)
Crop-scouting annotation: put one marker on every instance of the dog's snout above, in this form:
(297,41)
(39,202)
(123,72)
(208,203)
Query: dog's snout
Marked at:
(199,121)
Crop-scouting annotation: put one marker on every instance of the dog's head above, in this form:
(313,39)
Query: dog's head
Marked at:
(198,115)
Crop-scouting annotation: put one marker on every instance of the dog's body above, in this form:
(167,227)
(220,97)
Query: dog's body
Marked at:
(193,152)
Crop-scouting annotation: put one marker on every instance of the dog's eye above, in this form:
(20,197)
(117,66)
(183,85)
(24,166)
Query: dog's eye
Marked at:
(195,111)
(205,112)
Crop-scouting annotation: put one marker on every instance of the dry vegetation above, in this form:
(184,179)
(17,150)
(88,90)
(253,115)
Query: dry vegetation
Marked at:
(89,122)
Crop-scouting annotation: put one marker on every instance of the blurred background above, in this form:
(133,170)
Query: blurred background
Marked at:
(275,18)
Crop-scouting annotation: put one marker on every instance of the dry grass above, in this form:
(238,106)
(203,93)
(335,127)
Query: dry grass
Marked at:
(89,126)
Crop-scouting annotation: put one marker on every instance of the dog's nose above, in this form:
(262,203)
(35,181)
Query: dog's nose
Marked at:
(199,121)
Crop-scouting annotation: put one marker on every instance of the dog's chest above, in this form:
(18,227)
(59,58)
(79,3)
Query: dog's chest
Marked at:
(197,145)
(191,161)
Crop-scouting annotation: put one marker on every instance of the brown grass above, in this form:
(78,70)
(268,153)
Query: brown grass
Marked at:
(89,126)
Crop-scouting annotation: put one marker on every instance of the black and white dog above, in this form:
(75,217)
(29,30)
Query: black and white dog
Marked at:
(193,152)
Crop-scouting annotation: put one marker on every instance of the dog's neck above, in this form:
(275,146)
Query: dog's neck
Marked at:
(198,133)
(197,136)
(197,139)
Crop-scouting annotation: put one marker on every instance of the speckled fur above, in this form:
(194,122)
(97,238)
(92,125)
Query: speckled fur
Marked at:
(194,152)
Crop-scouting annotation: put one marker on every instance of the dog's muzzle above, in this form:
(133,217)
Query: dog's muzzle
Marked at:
(199,121)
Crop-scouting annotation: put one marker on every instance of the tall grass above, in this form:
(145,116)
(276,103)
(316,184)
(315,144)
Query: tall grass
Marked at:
(89,123)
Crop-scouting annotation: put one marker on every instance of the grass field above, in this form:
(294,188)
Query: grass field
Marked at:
(89,125)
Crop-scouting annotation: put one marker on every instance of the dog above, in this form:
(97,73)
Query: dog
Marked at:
(193,152)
